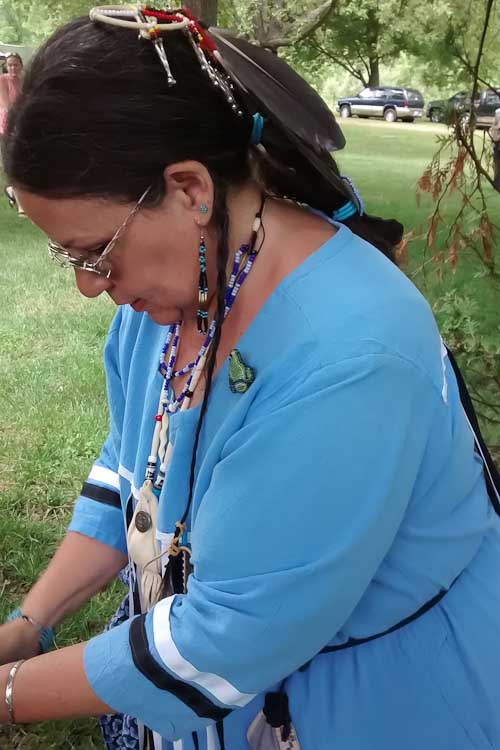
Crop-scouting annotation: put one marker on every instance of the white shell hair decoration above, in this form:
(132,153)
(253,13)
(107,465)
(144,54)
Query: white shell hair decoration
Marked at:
(152,24)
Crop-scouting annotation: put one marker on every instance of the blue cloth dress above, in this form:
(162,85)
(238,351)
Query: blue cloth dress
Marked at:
(333,499)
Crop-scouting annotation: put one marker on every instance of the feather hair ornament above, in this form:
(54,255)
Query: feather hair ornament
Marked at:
(267,84)
(278,89)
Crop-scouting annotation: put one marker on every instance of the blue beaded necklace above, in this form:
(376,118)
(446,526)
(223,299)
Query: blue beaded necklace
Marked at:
(144,550)
(161,448)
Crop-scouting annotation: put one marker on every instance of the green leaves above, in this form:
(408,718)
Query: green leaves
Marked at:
(28,22)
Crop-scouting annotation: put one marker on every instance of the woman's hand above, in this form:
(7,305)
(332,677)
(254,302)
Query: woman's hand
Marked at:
(18,640)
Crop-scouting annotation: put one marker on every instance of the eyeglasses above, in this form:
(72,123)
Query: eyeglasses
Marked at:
(65,258)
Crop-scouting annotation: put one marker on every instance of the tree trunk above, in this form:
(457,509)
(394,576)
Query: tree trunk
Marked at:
(374,65)
(205,10)
(372,37)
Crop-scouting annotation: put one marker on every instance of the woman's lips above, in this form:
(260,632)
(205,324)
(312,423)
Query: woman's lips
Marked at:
(139,305)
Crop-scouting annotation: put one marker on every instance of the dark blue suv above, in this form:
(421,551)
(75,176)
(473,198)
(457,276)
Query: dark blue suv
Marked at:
(390,102)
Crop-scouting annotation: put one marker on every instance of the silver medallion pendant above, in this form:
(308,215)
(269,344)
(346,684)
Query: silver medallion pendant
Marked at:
(143,521)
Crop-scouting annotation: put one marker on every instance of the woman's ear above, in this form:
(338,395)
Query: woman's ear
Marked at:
(190,185)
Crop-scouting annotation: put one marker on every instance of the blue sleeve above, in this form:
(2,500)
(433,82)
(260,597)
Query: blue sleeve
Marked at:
(301,510)
(98,511)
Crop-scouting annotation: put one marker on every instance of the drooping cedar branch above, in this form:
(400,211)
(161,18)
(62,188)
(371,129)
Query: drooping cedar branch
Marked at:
(462,168)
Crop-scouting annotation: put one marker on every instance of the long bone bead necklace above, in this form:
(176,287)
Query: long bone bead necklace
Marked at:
(142,543)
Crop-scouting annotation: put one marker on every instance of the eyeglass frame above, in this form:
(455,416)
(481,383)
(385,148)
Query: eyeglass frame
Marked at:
(63,257)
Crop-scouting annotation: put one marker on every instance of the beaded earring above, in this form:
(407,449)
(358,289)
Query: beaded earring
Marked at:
(202,312)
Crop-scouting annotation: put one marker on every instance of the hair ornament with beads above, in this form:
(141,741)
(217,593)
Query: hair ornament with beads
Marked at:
(152,24)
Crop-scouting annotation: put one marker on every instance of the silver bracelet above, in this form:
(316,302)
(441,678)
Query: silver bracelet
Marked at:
(9,687)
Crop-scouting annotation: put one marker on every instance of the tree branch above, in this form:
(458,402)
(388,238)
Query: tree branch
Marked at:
(296,33)
(345,65)
(470,68)
(362,59)
(489,6)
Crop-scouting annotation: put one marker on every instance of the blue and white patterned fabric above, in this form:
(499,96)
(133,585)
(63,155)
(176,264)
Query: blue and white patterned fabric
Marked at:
(332,500)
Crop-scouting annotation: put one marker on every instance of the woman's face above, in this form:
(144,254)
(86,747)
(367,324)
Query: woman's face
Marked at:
(154,264)
(14,67)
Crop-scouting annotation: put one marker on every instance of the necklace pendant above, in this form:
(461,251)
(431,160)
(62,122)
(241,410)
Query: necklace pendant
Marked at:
(143,521)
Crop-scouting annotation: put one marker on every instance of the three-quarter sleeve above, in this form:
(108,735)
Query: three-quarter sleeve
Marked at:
(303,506)
(98,510)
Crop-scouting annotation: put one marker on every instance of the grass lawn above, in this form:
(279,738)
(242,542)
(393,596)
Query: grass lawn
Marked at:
(52,404)
(53,421)
(386,161)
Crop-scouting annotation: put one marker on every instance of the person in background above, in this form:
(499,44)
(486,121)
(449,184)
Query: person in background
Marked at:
(495,138)
(10,85)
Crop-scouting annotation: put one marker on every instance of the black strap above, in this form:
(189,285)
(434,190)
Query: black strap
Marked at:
(129,510)
(358,641)
(491,474)
(196,741)
(101,495)
(149,742)
(136,599)
(277,711)
(220,734)
(492,478)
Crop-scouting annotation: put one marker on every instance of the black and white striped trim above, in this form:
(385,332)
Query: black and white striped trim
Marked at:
(149,667)
(109,495)
(222,690)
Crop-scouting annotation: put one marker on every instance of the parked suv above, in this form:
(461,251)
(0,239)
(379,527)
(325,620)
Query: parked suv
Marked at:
(485,106)
(389,102)
(442,110)
(487,102)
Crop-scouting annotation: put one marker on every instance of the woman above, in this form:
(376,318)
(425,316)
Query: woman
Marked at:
(10,85)
(287,444)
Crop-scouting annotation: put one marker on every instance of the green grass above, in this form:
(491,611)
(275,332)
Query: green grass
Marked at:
(52,405)
(386,162)
(53,420)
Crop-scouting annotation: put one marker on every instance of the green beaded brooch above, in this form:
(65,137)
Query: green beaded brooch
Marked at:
(241,376)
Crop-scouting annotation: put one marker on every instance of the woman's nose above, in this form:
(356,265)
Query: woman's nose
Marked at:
(91,284)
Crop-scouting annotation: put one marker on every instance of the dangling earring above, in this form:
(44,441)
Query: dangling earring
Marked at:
(202,312)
